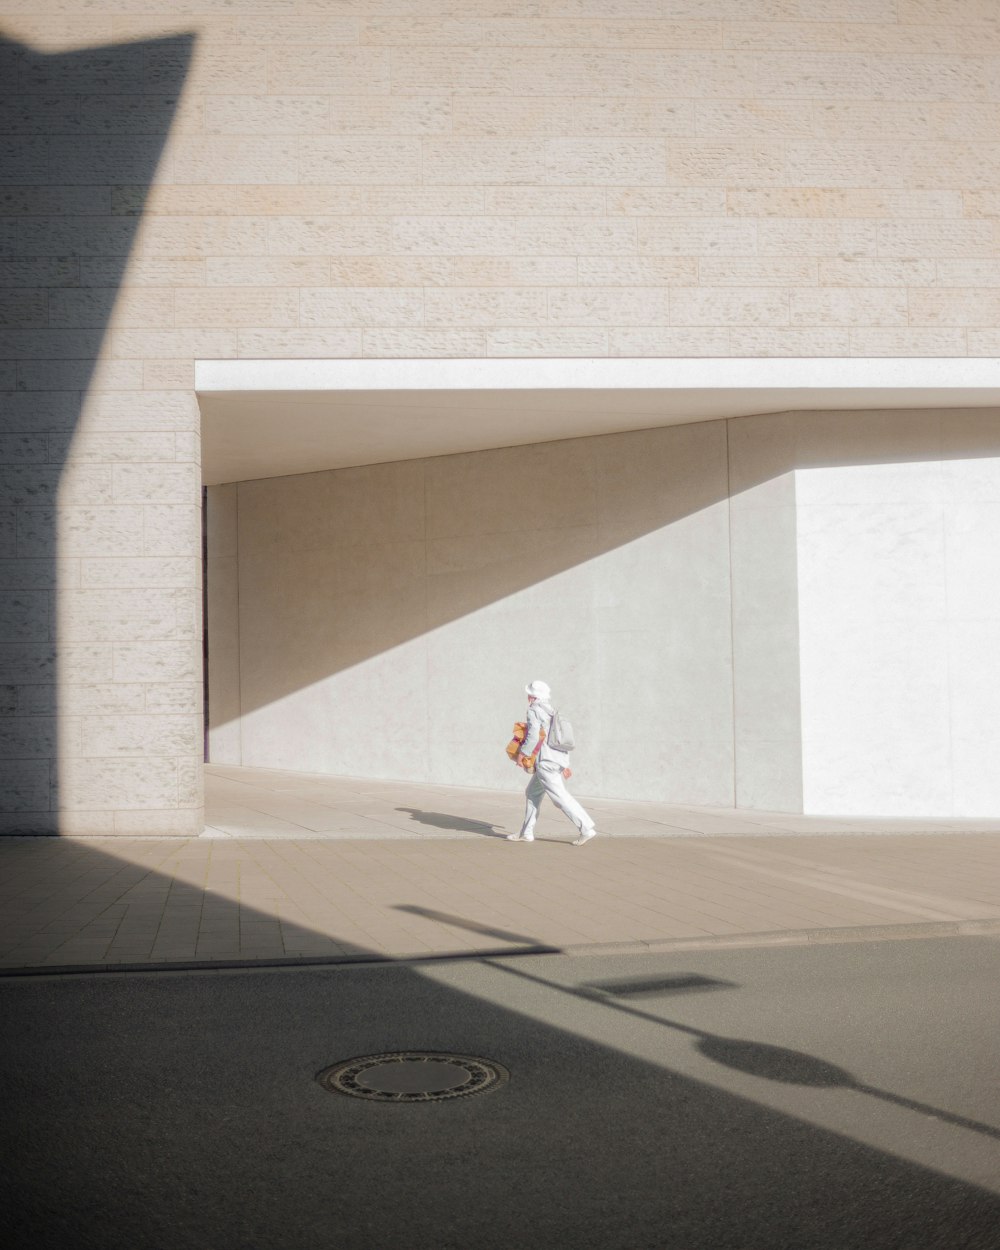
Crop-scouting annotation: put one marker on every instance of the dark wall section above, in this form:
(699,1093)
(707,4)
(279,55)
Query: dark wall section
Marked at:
(81,134)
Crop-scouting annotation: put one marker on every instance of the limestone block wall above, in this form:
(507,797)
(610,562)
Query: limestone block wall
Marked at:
(793,612)
(520,177)
(99,445)
(185,179)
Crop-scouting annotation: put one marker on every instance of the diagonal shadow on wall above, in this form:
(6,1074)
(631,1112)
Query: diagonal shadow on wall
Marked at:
(491,524)
(676,543)
(83,133)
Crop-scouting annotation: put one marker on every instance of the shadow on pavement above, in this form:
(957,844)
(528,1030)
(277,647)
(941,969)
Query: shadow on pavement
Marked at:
(181,1109)
(772,1063)
(644,987)
(472,926)
(441,820)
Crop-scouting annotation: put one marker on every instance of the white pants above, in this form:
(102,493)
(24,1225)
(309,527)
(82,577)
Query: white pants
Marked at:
(547,779)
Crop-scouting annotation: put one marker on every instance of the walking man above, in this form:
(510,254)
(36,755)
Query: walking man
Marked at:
(551,768)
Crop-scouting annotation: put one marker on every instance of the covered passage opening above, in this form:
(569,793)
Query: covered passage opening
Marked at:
(767,584)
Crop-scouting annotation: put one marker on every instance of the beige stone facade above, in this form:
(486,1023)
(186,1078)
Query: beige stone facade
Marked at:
(185,180)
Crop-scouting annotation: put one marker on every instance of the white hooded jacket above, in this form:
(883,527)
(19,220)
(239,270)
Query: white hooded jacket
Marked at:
(540,715)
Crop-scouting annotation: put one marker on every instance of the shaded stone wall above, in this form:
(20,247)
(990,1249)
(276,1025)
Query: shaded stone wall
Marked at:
(99,447)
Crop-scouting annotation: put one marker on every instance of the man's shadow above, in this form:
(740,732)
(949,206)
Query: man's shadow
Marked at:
(441,820)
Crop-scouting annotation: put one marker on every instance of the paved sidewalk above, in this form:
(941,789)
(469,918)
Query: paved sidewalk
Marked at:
(434,885)
(268,803)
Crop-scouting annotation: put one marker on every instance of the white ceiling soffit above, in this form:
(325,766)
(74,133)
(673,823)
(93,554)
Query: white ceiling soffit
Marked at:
(272,418)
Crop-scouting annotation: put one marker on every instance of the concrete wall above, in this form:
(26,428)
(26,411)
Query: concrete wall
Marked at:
(542,177)
(389,617)
(766,660)
(899,613)
(794,612)
(866,556)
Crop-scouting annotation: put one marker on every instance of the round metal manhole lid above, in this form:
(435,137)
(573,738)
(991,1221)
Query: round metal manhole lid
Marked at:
(413,1076)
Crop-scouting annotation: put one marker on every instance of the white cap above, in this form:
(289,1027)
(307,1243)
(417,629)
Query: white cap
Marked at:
(538,689)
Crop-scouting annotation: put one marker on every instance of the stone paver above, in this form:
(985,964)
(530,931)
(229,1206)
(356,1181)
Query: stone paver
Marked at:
(445,880)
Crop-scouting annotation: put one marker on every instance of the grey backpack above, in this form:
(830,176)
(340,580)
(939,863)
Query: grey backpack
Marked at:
(560,736)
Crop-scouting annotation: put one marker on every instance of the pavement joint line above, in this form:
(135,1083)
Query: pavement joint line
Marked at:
(673,833)
(732,941)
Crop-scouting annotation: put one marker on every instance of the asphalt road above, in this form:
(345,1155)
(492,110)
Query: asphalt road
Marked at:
(820,1098)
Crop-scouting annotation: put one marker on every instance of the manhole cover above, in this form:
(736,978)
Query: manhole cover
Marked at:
(412,1076)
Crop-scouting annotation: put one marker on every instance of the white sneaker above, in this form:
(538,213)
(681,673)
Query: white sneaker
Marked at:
(520,837)
(585,837)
